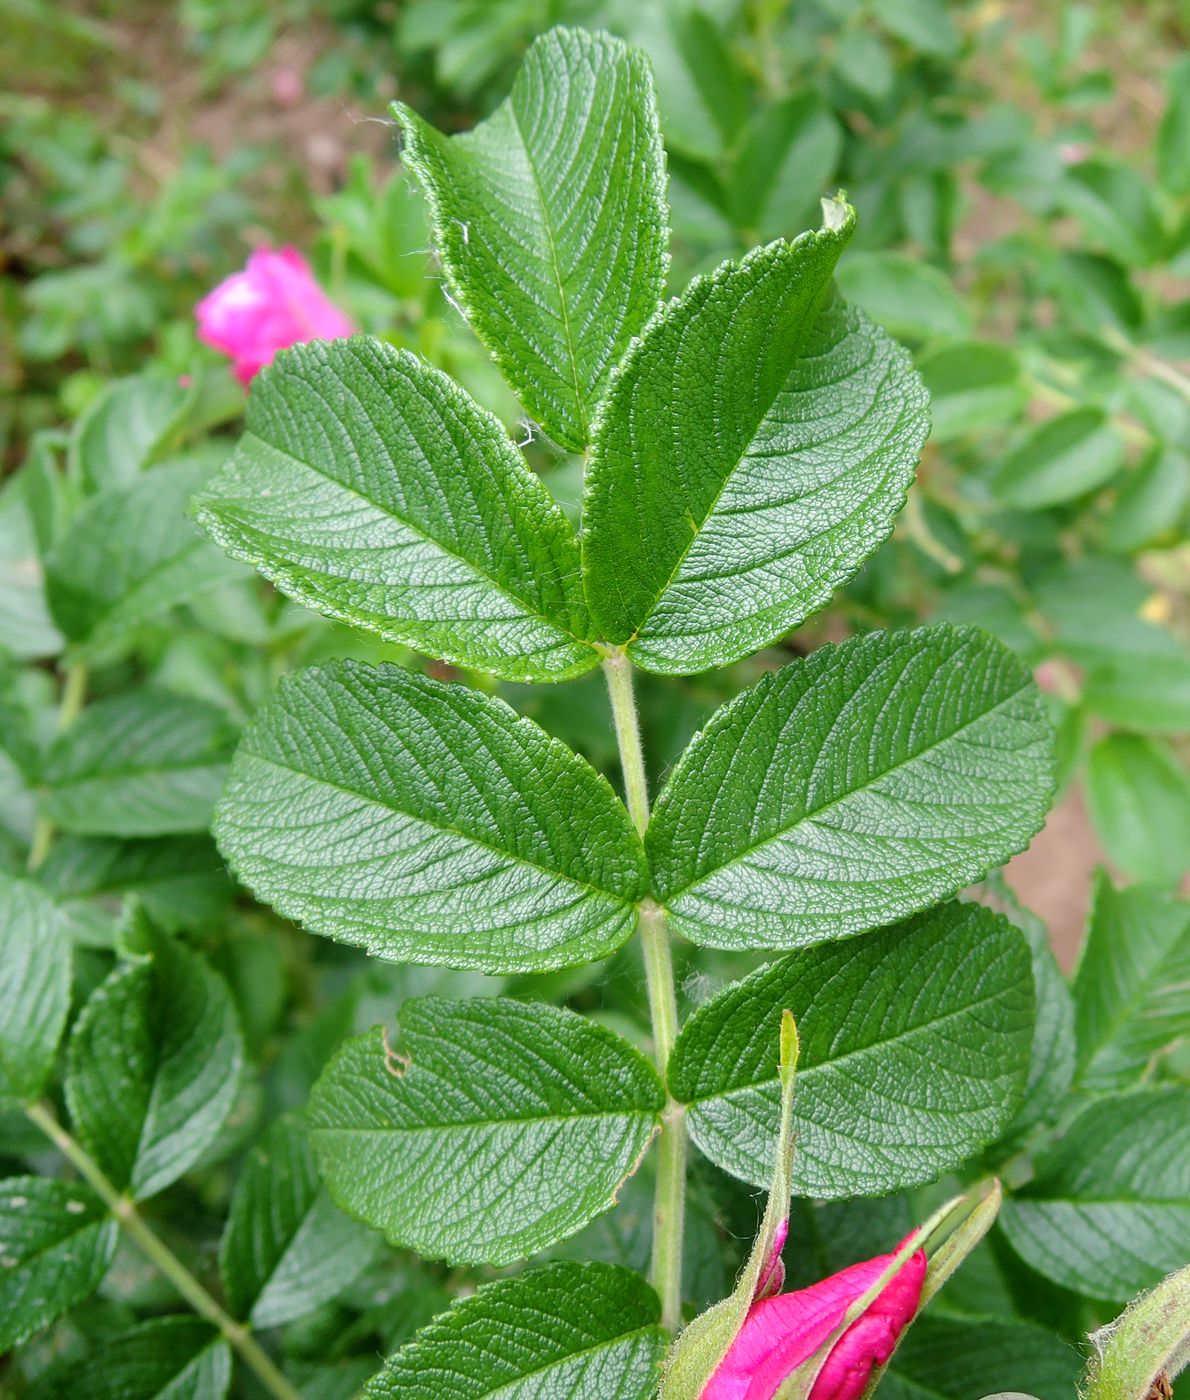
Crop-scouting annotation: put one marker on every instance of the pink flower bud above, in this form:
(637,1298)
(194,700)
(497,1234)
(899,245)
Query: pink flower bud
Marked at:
(274,303)
(782,1332)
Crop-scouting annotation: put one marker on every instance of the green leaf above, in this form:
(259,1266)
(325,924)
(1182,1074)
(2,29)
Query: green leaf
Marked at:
(181,880)
(787,159)
(1109,1208)
(34,987)
(56,1243)
(1150,502)
(1060,460)
(286,1248)
(914,1054)
(1152,697)
(1117,207)
(566,1331)
(1139,796)
(723,511)
(144,763)
(550,220)
(166,1358)
(1132,987)
(371,487)
(972,385)
(926,24)
(124,429)
(1052,1059)
(701,86)
(154,1064)
(492,1129)
(953,1358)
(428,823)
(906,296)
(27,630)
(1151,1336)
(129,554)
(852,788)
(1173,135)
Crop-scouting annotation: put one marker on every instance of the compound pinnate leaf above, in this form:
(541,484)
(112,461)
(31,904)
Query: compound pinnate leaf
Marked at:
(287,1248)
(429,823)
(371,487)
(154,1064)
(140,764)
(130,553)
(1132,989)
(754,448)
(566,1331)
(914,1054)
(35,958)
(550,220)
(56,1243)
(492,1129)
(166,1358)
(852,788)
(1109,1206)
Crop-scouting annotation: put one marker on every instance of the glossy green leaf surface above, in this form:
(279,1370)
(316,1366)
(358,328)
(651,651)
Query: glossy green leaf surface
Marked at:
(914,1054)
(166,1358)
(287,1248)
(129,554)
(1110,1202)
(154,1063)
(550,220)
(35,958)
(755,446)
(851,789)
(1132,987)
(140,764)
(56,1243)
(488,1130)
(566,1331)
(125,428)
(371,487)
(427,822)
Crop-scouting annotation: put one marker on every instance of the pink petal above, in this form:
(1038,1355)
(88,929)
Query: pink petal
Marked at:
(780,1333)
(273,303)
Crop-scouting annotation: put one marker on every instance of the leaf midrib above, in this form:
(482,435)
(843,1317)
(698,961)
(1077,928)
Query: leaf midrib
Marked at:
(815,812)
(564,309)
(816,306)
(445,829)
(209,507)
(627,1115)
(506,1387)
(875,1047)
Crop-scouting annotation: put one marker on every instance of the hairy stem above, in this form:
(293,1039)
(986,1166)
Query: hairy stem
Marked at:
(669,1202)
(74,693)
(160,1255)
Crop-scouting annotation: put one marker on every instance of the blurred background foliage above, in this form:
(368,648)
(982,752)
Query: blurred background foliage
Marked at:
(1022,178)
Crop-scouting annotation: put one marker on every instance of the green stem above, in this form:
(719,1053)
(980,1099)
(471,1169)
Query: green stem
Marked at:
(669,1201)
(160,1255)
(74,693)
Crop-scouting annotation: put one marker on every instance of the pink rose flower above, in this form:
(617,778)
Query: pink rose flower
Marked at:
(781,1332)
(274,303)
